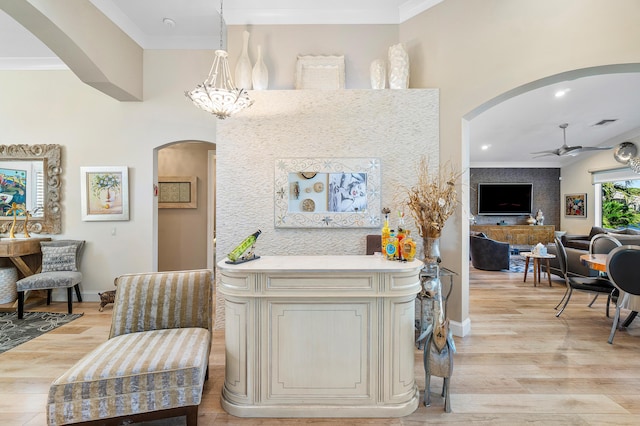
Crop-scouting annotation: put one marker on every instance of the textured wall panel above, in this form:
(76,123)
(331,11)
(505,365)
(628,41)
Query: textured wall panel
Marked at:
(396,126)
(546,192)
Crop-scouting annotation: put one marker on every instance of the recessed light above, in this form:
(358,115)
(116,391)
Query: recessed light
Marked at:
(485,147)
(560,93)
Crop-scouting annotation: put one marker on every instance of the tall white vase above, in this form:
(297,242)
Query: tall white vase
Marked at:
(260,77)
(398,67)
(243,67)
(378,71)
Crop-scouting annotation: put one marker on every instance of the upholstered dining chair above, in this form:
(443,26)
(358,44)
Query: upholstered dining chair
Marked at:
(60,269)
(622,269)
(603,244)
(598,285)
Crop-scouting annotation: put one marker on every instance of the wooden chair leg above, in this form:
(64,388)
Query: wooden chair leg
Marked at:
(20,304)
(78,295)
(70,299)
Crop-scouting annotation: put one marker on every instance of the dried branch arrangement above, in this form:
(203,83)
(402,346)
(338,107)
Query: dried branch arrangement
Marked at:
(433,199)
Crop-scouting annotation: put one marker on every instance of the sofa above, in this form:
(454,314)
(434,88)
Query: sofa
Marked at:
(488,254)
(577,245)
(156,359)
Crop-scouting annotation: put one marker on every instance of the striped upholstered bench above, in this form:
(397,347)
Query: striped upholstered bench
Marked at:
(156,359)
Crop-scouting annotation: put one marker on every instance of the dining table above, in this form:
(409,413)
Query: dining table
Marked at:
(598,262)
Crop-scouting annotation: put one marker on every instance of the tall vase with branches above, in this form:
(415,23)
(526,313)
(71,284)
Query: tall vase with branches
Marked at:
(431,201)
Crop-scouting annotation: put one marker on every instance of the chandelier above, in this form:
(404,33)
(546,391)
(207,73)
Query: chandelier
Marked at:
(217,94)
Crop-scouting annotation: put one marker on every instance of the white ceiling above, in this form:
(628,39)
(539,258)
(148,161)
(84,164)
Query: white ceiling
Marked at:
(513,128)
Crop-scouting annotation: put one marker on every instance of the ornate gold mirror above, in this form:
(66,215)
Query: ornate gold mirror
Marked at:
(30,177)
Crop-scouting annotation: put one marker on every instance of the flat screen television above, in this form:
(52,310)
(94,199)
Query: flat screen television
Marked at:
(505,199)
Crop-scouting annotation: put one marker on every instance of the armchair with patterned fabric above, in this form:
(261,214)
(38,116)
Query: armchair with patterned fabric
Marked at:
(156,359)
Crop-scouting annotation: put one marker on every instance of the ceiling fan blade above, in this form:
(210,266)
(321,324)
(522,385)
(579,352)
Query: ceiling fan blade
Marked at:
(547,152)
(596,148)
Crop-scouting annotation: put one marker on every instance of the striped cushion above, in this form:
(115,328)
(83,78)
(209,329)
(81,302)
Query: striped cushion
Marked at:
(132,374)
(157,300)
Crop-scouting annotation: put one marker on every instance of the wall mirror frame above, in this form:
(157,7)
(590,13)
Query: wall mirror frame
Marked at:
(48,215)
(327,193)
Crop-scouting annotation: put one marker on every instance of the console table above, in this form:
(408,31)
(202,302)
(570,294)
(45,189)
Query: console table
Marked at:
(518,234)
(24,253)
(319,336)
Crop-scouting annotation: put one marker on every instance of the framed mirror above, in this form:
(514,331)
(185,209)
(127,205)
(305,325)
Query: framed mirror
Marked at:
(327,193)
(30,176)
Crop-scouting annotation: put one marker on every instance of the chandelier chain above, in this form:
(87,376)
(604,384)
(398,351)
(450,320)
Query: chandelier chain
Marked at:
(221,23)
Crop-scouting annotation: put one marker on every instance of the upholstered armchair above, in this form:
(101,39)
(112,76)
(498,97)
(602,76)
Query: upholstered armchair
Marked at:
(156,359)
(60,269)
(488,254)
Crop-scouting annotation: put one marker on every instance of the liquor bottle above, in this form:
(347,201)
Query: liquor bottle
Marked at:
(401,234)
(243,246)
(408,247)
(385,235)
(392,246)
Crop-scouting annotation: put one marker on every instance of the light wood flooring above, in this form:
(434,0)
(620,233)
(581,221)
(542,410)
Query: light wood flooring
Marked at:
(520,364)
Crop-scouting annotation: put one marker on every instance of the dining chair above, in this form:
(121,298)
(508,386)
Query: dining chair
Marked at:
(60,269)
(603,244)
(622,269)
(598,285)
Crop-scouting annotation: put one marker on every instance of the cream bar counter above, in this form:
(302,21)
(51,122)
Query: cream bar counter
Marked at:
(319,336)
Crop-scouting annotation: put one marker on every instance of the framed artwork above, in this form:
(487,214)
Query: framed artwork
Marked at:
(177,192)
(320,72)
(575,205)
(327,193)
(104,193)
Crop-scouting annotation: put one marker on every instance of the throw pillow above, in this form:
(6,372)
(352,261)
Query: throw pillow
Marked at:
(62,258)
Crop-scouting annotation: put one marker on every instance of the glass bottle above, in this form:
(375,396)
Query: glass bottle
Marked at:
(408,249)
(385,234)
(392,246)
(243,246)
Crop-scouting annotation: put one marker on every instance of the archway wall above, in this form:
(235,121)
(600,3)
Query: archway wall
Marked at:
(477,51)
(182,232)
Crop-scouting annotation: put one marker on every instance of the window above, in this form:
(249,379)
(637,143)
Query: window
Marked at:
(620,203)
(617,198)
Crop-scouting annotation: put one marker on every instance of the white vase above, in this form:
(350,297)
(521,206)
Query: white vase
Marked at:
(243,67)
(378,71)
(398,67)
(260,76)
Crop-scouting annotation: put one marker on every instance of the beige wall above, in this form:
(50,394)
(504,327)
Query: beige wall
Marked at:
(281,45)
(182,242)
(474,51)
(576,179)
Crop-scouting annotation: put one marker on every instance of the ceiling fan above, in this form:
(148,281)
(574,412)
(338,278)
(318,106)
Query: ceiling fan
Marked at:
(569,151)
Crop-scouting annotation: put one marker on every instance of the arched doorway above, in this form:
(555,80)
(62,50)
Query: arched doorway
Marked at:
(186,206)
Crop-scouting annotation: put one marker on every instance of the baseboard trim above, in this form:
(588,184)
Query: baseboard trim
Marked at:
(460,329)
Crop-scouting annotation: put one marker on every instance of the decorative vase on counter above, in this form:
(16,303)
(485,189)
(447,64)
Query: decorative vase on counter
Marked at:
(431,250)
(398,67)
(378,71)
(531,221)
(243,67)
(540,217)
(260,75)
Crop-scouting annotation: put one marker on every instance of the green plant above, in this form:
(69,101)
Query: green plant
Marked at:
(108,181)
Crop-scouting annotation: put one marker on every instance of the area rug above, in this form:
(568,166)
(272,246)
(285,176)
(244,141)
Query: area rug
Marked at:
(14,331)
(517,262)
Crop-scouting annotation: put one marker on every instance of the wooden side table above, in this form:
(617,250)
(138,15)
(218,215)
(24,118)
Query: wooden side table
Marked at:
(536,265)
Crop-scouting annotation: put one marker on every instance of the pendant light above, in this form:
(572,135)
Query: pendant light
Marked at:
(217,94)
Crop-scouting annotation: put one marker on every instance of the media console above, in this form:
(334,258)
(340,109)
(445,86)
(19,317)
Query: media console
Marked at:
(518,234)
